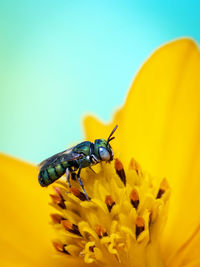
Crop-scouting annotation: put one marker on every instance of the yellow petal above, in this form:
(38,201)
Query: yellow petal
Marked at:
(24,220)
(188,253)
(25,233)
(159,125)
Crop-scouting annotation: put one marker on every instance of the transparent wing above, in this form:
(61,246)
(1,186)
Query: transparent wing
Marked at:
(66,155)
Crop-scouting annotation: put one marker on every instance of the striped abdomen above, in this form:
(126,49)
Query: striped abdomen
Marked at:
(50,174)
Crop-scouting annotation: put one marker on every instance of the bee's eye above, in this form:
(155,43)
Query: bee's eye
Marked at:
(104,154)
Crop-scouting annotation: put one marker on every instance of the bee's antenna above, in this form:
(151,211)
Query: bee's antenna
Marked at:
(109,137)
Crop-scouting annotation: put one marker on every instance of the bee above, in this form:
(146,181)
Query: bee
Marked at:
(74,159)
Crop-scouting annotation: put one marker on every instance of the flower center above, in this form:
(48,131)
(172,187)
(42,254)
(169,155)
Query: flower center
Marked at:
(121,223)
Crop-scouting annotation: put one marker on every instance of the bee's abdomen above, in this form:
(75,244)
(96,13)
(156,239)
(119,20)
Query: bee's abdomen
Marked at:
(51,174)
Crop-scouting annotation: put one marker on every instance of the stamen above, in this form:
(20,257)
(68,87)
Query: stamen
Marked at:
(58,200)
(134,198)
(100,231)
(120,170)
(76,192)
(139,226)
(56,218)
(70,227)
(60,247)
(134,165)
(163,187)
(91,248)
(109,202)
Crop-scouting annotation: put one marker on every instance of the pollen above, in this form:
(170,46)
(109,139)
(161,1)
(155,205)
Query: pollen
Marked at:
(56,218)
(140,223)
(60,247)
(58,198)
(121,222)
(120,170)
(134,198)
(134,165)
(70,227)
(76,192)
(163,187)
(109,202)
(100,231)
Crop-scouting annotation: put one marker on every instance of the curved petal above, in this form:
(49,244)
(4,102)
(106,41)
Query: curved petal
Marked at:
(159,125)
(24,221)
(188,253)
(25,233)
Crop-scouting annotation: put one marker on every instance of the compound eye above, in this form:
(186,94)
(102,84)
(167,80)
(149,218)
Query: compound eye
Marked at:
(104,154)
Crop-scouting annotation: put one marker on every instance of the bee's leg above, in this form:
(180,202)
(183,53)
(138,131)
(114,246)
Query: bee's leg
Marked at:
(81,184)
(68,176)
(73,173)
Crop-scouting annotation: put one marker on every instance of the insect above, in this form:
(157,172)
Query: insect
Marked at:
(75,159)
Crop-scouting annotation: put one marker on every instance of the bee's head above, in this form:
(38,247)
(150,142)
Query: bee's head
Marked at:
(103,149)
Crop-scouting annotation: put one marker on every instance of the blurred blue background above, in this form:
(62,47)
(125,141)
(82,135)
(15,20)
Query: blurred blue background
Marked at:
(61,60)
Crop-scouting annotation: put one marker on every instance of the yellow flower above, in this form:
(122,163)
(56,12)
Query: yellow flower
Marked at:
(121,223)
(158,126)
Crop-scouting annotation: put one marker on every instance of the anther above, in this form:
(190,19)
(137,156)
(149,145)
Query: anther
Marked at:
(58,200)
(134,198)
(91,248)
(163,187)
(56,218)
(134,165)
(70,227)
(60,247)
(100,231)
(109,202)
(77,193)
(120,170)
(139,226)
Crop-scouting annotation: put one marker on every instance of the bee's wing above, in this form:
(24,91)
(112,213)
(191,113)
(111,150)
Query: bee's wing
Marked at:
(66,155)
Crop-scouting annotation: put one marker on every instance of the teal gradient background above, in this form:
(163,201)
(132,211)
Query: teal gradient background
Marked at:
(61,60)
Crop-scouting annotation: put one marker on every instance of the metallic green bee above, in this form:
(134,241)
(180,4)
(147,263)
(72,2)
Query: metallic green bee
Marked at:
(74,159)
